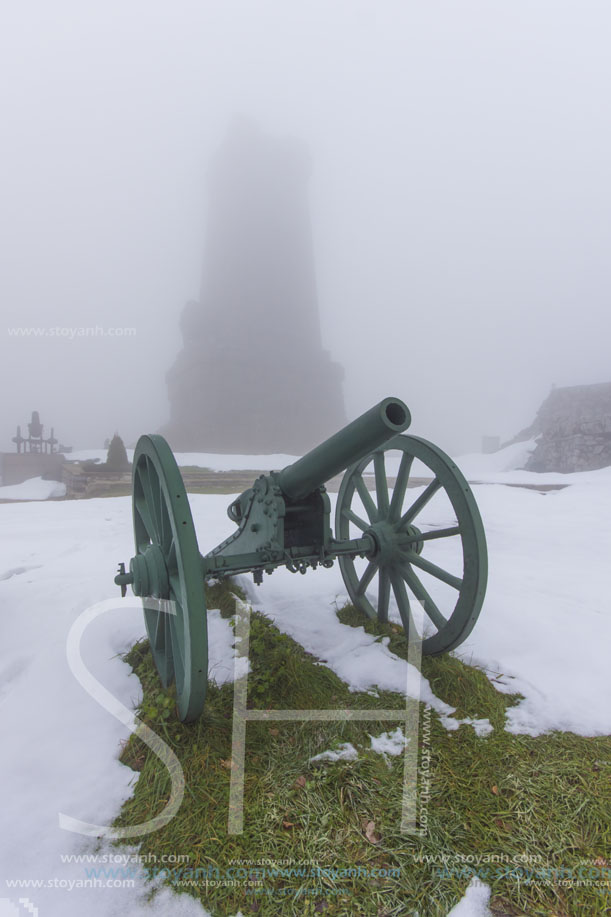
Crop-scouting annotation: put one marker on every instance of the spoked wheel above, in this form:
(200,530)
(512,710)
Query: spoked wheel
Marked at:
(167,566)
(430,545)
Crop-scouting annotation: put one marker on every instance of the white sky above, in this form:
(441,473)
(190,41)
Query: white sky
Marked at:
(460,196)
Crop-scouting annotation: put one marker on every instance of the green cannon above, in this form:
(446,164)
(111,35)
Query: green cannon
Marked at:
(393,547)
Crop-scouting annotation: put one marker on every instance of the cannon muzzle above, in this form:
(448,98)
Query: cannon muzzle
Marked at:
(364,435)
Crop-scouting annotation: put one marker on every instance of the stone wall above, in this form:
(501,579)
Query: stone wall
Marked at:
(573,427)
(17,467)
(81,482)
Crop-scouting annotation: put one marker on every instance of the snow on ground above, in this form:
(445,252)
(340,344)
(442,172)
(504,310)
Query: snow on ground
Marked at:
(508,459)
(389,743)
(33,489)
(60,748)
(506,467)
(345,752)
(482,727)
(547,620)
(474,903)
(545,628)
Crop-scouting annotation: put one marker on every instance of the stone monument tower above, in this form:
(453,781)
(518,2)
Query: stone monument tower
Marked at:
(253,376)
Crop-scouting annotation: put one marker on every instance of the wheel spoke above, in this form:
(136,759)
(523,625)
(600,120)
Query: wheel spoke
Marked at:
(429,536)
(159,510)
(177,636)
(423,597)
(175,586)
(171,556)
(434,570)
(381,483)
(420,503)
(352,516)
(402,599)
(161,644)
(383,595)
(151,501)
(159,634)
(400,486)
(370,507)
(142,509)
(165,529)
(367,577)
(168,670)
(176,628)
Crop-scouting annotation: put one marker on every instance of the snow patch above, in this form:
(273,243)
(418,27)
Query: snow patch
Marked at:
(345,752)
(223,662)
(481,727)
(511,458)
(389,743)
(474,903)
(33,489)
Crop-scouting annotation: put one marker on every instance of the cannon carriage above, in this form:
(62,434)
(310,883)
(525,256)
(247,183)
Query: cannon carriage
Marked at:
(380,541)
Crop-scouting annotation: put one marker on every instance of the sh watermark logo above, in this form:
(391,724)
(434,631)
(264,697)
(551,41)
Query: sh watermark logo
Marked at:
(409,717)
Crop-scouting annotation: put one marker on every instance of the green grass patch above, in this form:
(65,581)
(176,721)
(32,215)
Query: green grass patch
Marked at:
(529,803)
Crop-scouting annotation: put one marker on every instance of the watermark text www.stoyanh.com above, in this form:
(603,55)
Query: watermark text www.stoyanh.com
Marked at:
(70,332)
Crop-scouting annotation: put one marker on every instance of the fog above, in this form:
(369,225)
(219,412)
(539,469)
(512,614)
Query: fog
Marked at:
(460,198)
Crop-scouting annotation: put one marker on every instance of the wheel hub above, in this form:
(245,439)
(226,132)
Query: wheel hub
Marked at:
(150,573)
(409,539)
(391,544)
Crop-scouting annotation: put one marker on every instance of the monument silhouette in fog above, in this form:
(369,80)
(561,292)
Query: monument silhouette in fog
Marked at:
(253,376)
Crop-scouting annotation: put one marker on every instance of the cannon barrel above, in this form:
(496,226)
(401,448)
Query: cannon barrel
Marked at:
(356,440)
